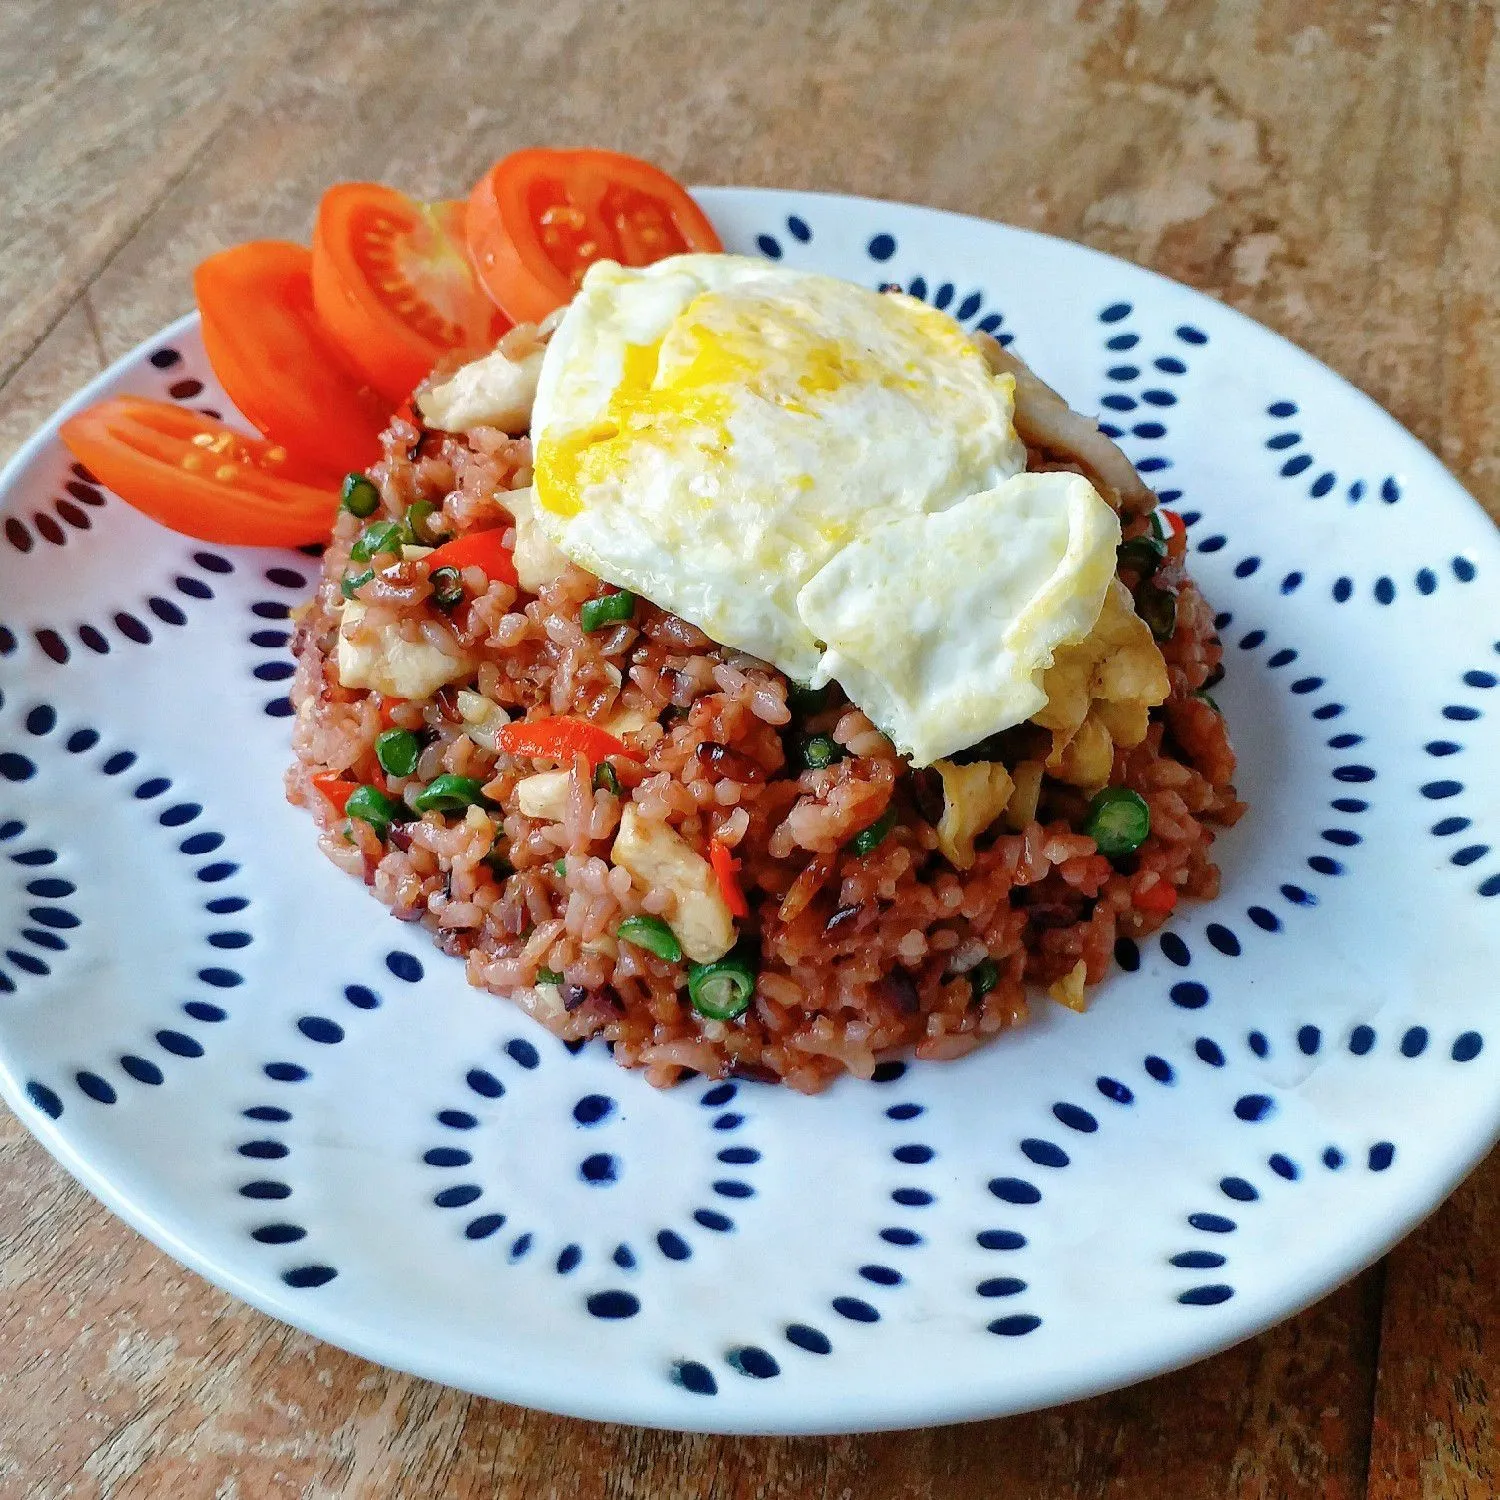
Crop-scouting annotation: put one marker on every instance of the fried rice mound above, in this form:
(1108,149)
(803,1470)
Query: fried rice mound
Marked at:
(857,956)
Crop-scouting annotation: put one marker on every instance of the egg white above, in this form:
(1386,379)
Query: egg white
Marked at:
(821,475)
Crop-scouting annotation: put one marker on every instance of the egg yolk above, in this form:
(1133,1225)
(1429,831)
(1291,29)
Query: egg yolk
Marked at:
(678,393)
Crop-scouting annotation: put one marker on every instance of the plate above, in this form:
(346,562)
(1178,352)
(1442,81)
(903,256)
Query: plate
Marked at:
(244,1056)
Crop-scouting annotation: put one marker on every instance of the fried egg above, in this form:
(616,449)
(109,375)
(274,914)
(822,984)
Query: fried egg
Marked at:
(824,476)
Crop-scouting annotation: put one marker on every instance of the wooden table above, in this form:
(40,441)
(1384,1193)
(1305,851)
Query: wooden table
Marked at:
(1331,167)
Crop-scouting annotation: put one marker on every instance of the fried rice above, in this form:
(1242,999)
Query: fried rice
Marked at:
(857,956)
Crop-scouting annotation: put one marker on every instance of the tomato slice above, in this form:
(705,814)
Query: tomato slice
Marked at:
(538,219)
(275,361)
(392,283)
(199,477)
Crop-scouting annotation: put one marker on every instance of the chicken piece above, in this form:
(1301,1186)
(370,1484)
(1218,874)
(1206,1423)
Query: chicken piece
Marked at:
(973,797)
(545,795)
(483,720)
(1045,420)
(627,720)
(1069,989)
(1108,681)
(382,659)
(1087,758)
(537,560)
(657,856)
(1021,808)
(495,391)
(1127,722)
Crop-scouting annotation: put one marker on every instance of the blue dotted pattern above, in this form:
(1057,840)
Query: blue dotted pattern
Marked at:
(46,916)
(317,1030)
(1383,589)
(1239,1190)
(490,1083)
(772,246)
(1332,840)
(283,1230)
(1295,465)
(1446,788)
(886,1275)
(1139,393)
(270,633)
(66,519)
(50,919)
(1296,462)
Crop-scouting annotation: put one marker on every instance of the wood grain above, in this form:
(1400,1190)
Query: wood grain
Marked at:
(1330,167)
(1434,1429)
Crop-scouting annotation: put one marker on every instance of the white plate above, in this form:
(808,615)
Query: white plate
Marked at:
(242,1054)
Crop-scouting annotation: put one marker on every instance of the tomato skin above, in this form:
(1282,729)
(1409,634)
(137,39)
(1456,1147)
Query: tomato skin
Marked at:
(388,707)
(485,550)
(200,477)
(1176,533)
(538,218)
(1159,900)
(393,285)
(726,868)
(560,738)
(276,363)
(336,788)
